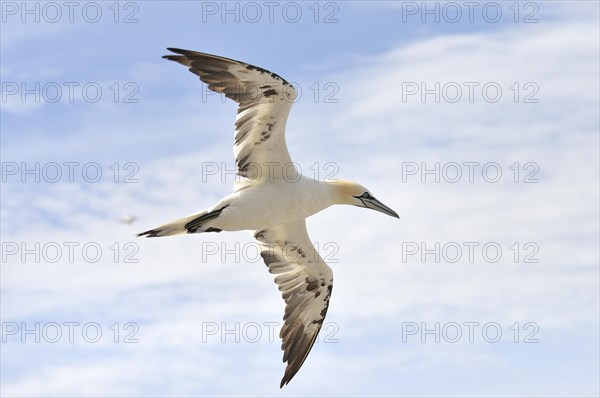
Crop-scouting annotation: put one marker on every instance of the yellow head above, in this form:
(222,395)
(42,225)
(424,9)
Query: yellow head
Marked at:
(351,193)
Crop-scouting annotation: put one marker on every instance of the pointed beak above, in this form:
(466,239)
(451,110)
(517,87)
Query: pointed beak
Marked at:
(374,204)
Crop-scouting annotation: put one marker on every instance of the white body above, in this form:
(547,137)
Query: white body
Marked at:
(266,204)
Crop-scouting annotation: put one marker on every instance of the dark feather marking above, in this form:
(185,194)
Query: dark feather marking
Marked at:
(269,93)
(301,252)
(196,223)
(241,163)
(152,233)
(261,70)
(270,257)
(311,285)
(326,300)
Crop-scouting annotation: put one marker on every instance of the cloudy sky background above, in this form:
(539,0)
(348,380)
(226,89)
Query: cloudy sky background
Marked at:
(354,119)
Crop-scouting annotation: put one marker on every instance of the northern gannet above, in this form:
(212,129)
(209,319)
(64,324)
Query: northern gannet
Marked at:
(270,198)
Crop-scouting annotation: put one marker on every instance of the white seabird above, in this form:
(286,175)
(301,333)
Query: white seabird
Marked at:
(269,199)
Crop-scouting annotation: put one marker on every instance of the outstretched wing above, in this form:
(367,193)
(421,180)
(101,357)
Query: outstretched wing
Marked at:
(305,282)
(265,100)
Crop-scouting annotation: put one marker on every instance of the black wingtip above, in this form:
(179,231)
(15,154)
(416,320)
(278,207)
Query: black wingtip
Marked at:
(172,57)
(288,376)
(179,51)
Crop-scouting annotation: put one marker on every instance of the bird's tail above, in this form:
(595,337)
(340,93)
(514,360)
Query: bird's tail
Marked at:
(187,225)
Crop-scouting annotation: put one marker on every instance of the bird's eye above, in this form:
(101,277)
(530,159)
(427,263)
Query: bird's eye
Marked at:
(366,195)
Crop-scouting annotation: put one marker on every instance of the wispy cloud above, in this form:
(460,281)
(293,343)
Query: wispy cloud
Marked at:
(381,291)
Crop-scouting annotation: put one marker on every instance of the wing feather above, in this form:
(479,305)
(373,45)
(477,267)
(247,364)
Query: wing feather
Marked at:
(305,282)
(264,99)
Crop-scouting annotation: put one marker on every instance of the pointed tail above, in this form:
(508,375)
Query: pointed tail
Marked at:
(192,224)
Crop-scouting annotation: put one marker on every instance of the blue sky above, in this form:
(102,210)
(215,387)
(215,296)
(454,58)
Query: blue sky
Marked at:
(192,306)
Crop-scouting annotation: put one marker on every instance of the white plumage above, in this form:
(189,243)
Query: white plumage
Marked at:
(270,199)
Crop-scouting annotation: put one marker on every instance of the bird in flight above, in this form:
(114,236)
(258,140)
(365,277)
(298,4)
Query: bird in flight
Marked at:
(271,198)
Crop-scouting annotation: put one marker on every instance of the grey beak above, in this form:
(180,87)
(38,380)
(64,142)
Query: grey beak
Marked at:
(374,204)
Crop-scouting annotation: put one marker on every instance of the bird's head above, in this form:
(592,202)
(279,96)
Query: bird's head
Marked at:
(351,193)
